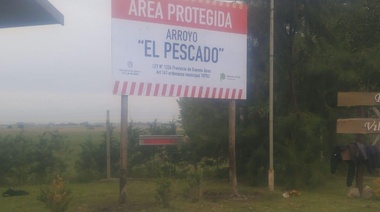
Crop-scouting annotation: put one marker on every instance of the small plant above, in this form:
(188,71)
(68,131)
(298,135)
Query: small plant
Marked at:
(163,191)
(376,191)
(56,195)
(193,190)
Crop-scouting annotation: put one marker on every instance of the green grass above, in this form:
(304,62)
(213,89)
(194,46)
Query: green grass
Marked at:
(103,196)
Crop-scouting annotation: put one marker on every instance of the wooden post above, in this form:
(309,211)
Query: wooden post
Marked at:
(108,132)
(232,156)
(123,150)
(359,165)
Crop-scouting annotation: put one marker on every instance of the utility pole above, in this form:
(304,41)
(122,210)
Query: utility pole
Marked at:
(271,58)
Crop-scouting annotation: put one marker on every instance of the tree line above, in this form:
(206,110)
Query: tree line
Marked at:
(320,48)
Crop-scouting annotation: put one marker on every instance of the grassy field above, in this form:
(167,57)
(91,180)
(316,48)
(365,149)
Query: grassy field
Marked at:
(73,133)
(103,196)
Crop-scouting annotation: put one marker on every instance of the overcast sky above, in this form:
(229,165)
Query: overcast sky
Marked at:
(57,73)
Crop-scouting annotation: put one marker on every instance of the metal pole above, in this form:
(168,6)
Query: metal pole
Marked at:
(108,132)
(123,149)
(271,57)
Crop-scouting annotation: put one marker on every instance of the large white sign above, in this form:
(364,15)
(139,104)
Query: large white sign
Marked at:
(182,48)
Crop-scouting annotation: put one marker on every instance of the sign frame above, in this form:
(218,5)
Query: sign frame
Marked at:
(358,126)
(173,53)
(153,140)
(358,98)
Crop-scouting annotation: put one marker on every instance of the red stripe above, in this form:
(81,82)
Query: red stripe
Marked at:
(116,87)
(159,141)
(193,91)
(240,93)
(148,89)
(227,93)
(171,10)
(207,92)
(133,88)
(186,90)
(200,92)
(171,90)
(164,90)
(124,89)
(179,89)
(156,89)
(233,93)
(213,93)
(141,88)
(220,93)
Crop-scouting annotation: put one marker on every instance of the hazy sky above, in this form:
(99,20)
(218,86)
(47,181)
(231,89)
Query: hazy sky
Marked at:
(57,73)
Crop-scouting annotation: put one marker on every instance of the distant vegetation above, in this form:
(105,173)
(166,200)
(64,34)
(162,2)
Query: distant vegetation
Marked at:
(32,154)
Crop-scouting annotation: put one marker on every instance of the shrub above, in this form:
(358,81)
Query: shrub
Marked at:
(163,191)
(193,189)
(376,191)
(24,160)
(50,155)
(56,195)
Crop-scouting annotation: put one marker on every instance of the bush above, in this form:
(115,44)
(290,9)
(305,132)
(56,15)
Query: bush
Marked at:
(301,151)
(193,190)
(92,163)
(56,195)
(16,166)
(24,160)
(163,191)
(376,191)
(50,155)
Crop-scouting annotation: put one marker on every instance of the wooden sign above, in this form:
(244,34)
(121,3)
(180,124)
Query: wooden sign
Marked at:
(358,125)
(160,139)
(358,98)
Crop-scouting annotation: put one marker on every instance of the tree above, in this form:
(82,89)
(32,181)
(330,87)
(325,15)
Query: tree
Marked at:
(24,160)
(205,121)
(321,48)
(16,163)
(92,159)
(50,154)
